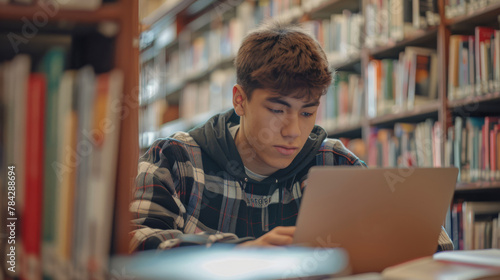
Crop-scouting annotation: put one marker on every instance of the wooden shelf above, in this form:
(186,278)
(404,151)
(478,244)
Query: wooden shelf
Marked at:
(189,79)
(420,113)
(148,54)
(108,12)
(331,7)
(167,12)
(478,186)
(472,100)
(418,38)
(348,64)
(482,16)
(225,62)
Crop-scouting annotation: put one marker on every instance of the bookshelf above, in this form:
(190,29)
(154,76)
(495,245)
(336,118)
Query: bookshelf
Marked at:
(418,114)
(425,38)
(119,20)
(428,123)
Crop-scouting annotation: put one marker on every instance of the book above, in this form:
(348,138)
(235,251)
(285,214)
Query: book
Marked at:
(16,90)
(66,170)
(497,155)
(458,146)
(374,74)
(457,225)
(422,84)
(103,171)
(482,37)
(488,257)
(489,123)
(81,243)
(454,63)
(431,268)
(31,222)
(496,60)
(442,265)
(470,211)
(53,66)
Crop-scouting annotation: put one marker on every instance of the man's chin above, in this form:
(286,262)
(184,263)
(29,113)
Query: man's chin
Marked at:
(282,164)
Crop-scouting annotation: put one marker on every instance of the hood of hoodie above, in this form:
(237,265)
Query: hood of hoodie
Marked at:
(215,140)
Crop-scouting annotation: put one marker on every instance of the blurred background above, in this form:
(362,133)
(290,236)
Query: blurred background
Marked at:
(87,86)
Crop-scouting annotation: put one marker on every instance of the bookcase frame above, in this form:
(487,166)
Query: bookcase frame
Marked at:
(126,58)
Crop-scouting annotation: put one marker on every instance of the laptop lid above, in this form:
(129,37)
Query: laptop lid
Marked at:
(381,216)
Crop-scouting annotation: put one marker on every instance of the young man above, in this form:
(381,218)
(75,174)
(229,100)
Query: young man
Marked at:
(239,178)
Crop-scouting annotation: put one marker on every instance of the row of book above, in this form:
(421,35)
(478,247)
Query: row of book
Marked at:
(285,10)
(61,134)
(197,52)
(473,145)
(196,55)
(388,22)
(408,144)
(340,35)
(342,105)
(197,103)
(474,225)
(153,116)
(214,95)
(400,85)
(456,8)
(474,65)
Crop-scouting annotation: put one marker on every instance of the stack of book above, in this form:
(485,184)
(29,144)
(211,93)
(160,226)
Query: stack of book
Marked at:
(455,8)
(61,137)
(474,225)
(406,145)
(285,10)
(388,22)
(208,96)
(401,85)
(473,146)
(156,114)
(340,35)
(474,65)
(342,106)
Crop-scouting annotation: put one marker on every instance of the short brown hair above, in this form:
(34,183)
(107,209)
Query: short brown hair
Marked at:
(282,58)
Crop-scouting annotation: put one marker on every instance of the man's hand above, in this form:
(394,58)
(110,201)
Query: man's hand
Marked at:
(278,236)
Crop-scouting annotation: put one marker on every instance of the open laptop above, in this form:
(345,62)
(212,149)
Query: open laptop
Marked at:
(381,216)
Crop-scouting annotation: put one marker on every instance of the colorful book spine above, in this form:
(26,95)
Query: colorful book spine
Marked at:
(31,223)
(53,67)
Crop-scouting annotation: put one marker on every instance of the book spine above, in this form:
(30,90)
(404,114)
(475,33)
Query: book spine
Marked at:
(31,223)
(53,66)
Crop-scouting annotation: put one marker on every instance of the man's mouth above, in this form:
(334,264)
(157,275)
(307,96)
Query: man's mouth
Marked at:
(286,150)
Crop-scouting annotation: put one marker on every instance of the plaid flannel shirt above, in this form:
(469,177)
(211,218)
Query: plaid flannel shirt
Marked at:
(181,199)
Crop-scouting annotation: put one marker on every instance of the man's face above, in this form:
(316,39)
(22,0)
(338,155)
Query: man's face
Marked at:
(273,130)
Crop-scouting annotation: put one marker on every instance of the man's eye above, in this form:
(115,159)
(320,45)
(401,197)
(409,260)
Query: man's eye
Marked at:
(306,114)
(275,111)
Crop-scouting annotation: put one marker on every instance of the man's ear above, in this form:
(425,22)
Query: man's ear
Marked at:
(239,98)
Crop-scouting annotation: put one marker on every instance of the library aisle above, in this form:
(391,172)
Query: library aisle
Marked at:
(416,84)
